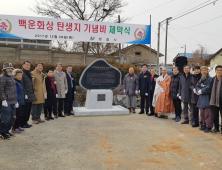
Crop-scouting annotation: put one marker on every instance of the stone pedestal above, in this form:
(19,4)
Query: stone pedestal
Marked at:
(99,102)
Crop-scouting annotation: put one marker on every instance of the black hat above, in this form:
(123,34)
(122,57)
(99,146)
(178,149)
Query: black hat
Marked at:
(7,65)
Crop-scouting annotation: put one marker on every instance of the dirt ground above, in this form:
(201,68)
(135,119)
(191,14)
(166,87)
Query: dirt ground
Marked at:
(112,143)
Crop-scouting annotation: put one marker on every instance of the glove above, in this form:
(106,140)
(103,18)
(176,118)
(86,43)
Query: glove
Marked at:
(136,92)
(57,95)
(26,97)
(179,97)
(146,94)
(124,91)
(4,103)
(194,90)
(17,105)
(162,90)
(199,92)
(74,92)
(66,92)
(45,95)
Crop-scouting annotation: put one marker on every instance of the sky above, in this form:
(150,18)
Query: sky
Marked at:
(187,30)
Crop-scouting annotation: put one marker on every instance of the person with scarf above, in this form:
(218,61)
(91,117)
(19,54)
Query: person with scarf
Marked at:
(29,91)
(161,100)
(194,97)
(203,89)
(50,100)
(216,98)
(17,73)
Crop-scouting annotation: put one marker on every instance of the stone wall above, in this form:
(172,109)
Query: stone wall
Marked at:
(17,54)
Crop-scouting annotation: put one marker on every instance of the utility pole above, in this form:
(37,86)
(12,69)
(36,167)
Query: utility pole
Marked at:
(158,47)
(120,56)
(167,23)
(150,45)
(185,50)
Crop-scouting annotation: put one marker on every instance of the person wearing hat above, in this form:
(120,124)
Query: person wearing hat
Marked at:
(8,97)
(62,88)
(203,89)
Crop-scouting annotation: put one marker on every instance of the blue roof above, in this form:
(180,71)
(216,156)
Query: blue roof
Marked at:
(190,55)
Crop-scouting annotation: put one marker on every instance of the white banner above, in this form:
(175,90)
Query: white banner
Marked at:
(24,27)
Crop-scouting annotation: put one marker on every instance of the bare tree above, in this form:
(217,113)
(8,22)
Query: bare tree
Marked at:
(89,10)
(200,56)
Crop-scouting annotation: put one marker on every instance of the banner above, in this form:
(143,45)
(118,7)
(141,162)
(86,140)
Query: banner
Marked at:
(24,27)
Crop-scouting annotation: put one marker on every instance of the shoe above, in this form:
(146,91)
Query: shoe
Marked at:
(67,114)
(71,113)
(177,119)
(141,112)
(130,110)
(151,114)
(9,134)
(134,111)
(207,130)
(156,115)
(165,117)
(185,122)
(51,118)
(174,118)
(21,130)
(195,125)
(41,121)
(161,116)
(215,131)
(47,119)
(56,116)
(203,128)
(25,126)
(16,131)
(29,125)
(35,122)
(4,136)
(61,115)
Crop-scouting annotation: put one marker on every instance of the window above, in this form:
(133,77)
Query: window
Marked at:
(2,39)
(29,41)
(14,39)
(138,53)
(43,41)
(42,47)
(16,45)
(29,46)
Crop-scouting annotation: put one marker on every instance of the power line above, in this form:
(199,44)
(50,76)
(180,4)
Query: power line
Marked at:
(172,36)
(201,23)
(177,13)
(151,9)
(193,10)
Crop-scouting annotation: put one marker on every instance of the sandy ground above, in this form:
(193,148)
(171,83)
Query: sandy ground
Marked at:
(112,143)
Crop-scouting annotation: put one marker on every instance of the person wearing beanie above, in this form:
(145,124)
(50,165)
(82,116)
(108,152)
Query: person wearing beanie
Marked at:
(8,97)
(203,89)
(194,97)
(50,101)
(17,74)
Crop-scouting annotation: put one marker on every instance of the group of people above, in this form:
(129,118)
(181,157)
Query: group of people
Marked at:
(24,93)
(196,95)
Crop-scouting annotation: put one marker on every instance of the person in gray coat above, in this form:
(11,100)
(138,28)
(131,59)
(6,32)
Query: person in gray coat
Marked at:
(185,93)
(131,88)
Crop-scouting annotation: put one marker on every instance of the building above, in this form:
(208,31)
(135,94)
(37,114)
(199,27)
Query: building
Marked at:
(193,59)
(27,44)
(137,54)
(216,59)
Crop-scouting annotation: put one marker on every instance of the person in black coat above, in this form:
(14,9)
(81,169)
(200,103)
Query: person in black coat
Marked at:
(71,91)
(153,78)
(50,98)
(144,87)
(29,91)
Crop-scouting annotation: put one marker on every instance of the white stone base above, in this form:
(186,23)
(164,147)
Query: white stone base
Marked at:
(116,110)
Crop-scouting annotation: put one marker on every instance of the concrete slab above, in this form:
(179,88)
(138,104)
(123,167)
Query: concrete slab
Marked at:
(115,110)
